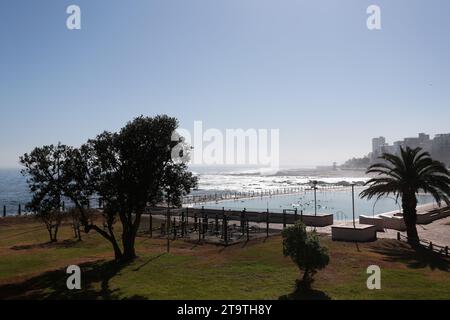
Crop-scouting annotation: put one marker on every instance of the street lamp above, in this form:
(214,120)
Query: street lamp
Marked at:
(353,204)
(314,187)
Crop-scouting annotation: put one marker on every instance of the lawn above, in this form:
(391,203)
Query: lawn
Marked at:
(31,268)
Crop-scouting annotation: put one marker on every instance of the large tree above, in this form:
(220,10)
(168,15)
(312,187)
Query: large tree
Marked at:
(405,175)
(128,171)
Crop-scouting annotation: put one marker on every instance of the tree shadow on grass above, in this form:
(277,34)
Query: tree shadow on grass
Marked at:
(305,294)
(396,251)
(149,260)
(60,244)
(95,277)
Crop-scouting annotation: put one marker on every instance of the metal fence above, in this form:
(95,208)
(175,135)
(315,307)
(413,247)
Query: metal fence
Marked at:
(218,226)
(18,208)
(236,195)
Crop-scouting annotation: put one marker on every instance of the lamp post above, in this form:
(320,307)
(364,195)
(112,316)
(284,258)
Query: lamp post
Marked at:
(353,204)
(168,228)
(314,187)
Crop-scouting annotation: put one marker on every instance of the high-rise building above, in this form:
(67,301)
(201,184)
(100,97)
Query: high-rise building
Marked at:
(377,147)
(439,147)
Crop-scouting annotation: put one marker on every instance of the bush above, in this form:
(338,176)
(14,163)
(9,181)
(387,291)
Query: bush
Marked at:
(305,251)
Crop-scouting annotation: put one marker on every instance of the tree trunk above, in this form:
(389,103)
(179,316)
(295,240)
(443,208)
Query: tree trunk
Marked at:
(305,275)
(128,239)
(129,252)
(74,230)
(306,280)
(55,235)
(50,233)
(78,232)
(118,256)
(130,229)
(409,204)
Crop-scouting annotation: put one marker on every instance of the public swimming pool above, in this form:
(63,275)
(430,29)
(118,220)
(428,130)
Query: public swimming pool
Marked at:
(337,202)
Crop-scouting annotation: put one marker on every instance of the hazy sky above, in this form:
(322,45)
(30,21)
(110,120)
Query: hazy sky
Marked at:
(310,68)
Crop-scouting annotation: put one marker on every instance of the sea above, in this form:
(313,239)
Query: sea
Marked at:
(14,191)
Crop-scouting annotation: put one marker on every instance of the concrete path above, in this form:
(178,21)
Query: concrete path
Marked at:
(437,232)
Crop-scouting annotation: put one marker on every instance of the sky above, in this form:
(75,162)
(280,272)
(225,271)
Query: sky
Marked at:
(311,69)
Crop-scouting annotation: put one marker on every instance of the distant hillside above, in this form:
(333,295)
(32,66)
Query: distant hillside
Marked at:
(356,163)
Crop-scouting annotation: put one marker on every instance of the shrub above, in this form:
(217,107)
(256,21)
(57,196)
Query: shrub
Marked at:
(305,251)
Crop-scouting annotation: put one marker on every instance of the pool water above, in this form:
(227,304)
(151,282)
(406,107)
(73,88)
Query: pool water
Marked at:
(337,202)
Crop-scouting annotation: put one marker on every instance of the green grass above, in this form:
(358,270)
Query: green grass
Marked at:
(185,278)
(257,270)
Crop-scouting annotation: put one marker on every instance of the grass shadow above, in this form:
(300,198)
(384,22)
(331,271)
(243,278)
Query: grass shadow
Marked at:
(149,260)
(46,245)
(416,258)
(51,285)
(301,293)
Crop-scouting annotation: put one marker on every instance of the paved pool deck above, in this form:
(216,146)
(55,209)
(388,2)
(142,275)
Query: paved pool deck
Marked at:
(437,231)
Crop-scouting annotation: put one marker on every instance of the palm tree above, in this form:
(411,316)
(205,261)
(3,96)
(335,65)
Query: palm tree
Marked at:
(404,176)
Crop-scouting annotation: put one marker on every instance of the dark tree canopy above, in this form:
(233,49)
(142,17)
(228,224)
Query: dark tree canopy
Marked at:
(129,170)
(177,183)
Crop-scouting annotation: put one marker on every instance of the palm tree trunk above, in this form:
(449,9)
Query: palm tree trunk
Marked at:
(409,204)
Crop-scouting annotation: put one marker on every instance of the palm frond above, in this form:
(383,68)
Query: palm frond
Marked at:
(411,171)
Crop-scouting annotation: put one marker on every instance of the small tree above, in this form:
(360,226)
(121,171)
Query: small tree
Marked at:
(52,218)
(305,251)
(45,178)
(76,222)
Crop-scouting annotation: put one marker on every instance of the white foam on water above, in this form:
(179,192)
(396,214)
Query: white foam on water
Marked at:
(242,182)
